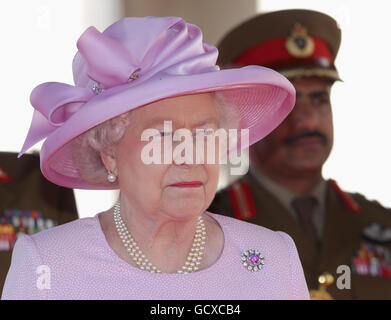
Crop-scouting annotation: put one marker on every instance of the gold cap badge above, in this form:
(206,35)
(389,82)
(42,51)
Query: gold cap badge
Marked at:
(299,44)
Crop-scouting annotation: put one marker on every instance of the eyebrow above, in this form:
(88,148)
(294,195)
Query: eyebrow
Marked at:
(209,120)
(154,122)
(314,93)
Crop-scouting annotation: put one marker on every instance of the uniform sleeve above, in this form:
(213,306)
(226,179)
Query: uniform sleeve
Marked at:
(23,277)
(298,282)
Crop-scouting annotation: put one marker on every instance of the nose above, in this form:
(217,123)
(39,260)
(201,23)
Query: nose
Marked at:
(181,161)
(183,153)
(195,150)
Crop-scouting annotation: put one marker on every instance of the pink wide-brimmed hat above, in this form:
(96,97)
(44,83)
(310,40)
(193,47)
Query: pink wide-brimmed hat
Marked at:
(137,61)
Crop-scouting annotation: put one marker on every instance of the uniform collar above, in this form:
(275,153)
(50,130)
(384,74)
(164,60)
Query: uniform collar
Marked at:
(284,195)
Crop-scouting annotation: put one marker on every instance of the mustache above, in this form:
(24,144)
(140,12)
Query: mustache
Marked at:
(304,134)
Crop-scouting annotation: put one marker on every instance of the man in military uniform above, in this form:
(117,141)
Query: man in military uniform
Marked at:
(284,189)
(28,203)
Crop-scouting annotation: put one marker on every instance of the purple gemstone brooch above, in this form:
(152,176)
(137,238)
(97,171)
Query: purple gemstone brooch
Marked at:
(253,260)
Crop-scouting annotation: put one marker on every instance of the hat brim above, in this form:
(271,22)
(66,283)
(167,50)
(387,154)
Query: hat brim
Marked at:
(263,98)
(292,73)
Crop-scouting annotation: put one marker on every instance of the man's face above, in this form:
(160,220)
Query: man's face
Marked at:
(303,141)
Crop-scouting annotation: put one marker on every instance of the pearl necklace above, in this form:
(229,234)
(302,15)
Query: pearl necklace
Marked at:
(193,259)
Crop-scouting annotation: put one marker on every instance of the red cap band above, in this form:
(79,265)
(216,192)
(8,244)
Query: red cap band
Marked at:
(274,54)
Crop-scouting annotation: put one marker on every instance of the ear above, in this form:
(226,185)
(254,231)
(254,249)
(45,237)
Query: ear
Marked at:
(109,161)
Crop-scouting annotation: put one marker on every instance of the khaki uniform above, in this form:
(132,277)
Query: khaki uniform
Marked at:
(304,43)
(347,215)
(28,203)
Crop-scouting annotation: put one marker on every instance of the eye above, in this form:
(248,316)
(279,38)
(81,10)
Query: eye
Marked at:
(164,134)
(208,131)
(320,99)
(203,132)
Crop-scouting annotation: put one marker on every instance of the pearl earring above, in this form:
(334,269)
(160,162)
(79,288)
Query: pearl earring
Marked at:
(111,177)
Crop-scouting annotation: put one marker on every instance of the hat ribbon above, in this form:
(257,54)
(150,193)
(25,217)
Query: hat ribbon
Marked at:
(109,63)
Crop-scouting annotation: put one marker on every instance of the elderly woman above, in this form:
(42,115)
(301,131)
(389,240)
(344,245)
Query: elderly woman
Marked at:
(157,242)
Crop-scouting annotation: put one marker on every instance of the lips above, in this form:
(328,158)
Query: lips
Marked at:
(306,138)
(308,141)
(187,184)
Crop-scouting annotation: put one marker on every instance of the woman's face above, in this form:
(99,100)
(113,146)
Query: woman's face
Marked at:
(179,191)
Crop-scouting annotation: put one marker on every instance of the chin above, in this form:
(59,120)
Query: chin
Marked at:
(308,161)
(185,209)
(307,166)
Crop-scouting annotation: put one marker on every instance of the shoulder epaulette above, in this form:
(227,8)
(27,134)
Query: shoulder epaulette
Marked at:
(347,199)
(4,176)
(242,200)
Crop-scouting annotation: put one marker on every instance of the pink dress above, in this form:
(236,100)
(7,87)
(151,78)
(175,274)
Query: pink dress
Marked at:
(74,261)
